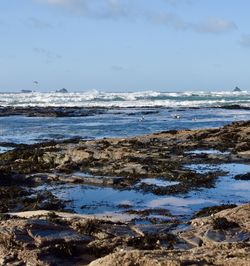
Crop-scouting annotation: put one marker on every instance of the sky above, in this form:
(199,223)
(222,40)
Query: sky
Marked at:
(124,45)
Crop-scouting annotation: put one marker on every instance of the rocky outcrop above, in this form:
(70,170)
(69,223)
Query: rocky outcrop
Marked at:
(52,238)
(237,89)
(228,244)
(67,239)
(35,111)
(149,153)
(63,90)
(157,155)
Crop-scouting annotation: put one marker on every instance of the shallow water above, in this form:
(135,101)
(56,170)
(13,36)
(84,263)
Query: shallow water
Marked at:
(113,123)
(106,200)
(94,200)
(232,169)
(124,122)
(158,182)
(208,151)
(227,189)
(5,149)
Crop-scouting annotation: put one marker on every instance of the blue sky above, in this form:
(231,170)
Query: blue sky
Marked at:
(124,45)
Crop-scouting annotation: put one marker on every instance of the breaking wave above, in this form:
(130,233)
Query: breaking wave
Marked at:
(126,99)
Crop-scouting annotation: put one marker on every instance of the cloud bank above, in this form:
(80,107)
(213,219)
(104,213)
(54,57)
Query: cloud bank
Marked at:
(120,9)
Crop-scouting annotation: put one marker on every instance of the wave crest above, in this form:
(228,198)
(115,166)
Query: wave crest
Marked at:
(126,99)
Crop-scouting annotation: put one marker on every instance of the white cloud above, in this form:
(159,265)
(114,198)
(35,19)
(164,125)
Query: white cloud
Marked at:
(211,25)
(57,2)
(101,9)
(168,19)
(215,25)
(117,9)
(176,2)
(75,6)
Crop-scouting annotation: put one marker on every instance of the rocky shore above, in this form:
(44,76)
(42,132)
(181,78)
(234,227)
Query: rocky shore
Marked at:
(50,238)
(53,111)
(50,111)
(38,228)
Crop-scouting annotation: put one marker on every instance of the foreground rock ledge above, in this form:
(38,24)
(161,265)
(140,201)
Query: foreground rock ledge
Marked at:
(220,246)
(50,239)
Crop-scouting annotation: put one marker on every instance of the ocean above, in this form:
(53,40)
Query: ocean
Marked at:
(127,99)
(121,114)
(124,115)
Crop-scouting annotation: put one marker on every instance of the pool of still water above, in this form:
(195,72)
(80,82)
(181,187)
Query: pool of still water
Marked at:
(107,201)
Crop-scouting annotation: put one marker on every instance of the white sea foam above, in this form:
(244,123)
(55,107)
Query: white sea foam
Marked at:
(122,99)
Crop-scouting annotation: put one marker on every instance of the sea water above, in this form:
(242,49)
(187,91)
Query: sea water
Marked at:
(123,114)
(126,99)
(131,114)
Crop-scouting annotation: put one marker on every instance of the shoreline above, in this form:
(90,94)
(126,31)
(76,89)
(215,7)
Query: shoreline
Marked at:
(78,111)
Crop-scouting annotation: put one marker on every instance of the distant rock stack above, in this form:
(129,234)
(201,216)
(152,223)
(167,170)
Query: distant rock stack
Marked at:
(26,91)
(62,90)
(237,89)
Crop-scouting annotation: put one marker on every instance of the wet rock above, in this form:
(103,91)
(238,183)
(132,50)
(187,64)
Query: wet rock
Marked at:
(45,233)
(50,111)
(98,180)
(223,223)
(213,209)
(234,235)
(235,106)
(74,240)
(132,158)
(192,239)
(223,237)
(44,200)
(158,230)
(147,212)
(224,226)
(243,177)
(11,198)
(242,146)
(144,243)
(89,227)
(15,198)
(40,242)
(206,246)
